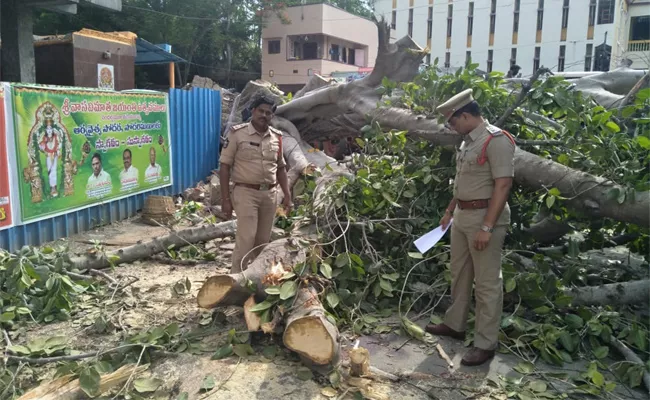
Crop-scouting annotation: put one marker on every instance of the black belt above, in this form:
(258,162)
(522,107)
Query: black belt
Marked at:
(264,186)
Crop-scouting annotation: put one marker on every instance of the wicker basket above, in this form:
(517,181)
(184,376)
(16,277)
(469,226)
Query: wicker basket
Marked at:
(158,210)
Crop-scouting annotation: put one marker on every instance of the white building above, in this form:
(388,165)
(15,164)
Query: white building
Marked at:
(562,35)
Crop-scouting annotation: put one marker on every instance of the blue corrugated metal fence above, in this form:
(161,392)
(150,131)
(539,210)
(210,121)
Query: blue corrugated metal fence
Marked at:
(195,124)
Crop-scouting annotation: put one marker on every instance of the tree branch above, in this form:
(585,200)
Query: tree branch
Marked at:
(522,95)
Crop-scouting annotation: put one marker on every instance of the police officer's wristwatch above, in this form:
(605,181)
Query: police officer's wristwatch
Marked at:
(486,228)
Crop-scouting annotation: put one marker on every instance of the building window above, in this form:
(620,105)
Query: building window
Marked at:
(592,12)
(470,19)
(515,23)
(589,56)
(393,20)
(450,13)
(540,14)
(468,58)
(430,23)
(493,16)
(513,56)
(274,47)
(447,59)
(489,60)
(410,23)
(640,28)
(560,59)
(538,50)
(606,12)
(335,53)
(565,14)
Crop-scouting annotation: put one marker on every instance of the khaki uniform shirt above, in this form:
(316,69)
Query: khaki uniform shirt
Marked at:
(253,156)
(476,182)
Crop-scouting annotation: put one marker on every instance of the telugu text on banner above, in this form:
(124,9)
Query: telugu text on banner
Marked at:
(76,148)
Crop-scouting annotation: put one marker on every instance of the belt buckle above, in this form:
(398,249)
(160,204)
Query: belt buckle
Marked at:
(265,186)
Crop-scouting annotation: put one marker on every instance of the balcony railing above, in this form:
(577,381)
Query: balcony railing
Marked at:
(638,45)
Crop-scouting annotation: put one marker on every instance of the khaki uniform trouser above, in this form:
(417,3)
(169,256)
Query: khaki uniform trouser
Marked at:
(255,211)
(483,268)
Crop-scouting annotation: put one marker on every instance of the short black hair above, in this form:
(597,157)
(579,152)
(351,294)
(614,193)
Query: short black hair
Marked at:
(127,151)
(262,99)
(97,156)
(472,109)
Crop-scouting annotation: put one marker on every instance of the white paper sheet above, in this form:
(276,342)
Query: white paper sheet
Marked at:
(428,240)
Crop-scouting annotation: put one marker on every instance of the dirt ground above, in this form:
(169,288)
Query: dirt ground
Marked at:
(152,300)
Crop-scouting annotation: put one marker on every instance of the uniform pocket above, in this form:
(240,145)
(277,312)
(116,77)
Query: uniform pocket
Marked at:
(249,153)
(271,153)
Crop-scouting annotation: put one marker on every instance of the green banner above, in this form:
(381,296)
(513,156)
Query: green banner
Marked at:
(76,148)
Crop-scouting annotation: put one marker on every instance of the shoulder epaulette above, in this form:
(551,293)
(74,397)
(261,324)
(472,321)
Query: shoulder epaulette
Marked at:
(239,126)
(494,131)
(275,130)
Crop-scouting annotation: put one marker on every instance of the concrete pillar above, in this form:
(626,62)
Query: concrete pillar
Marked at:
(17,27)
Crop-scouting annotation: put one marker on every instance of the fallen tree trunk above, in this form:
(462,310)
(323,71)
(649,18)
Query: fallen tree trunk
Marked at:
(158,245)
(357,103)
(307,330)
(633,292)
(234,289)
(631,357)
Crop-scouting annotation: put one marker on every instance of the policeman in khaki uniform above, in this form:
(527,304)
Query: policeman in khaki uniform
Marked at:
(484,174)
(252,156)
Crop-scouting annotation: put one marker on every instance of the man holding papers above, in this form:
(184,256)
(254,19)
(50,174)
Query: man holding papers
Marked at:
(484,174)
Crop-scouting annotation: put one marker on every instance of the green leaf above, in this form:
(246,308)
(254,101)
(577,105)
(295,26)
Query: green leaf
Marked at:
(525,368)
(573,321)
(332,299)
(601,352)
(598,379)
(183,396)
(326,270)
(511,285)
(538,386)
(341,260)
(147,385)
(272,290)
(643,142)
(288,290)
(7,316)
(612,126)
(89,380)
(243,350)
(208,383)
(550,200)
(265,305)
(18,349)
(543,310)
(555,192)
(304,374)
(436,320)
(385,285)
(416,255)
(270,352)
(222,352)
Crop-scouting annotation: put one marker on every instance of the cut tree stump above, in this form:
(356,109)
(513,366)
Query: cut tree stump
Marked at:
(359,362)
(232,289)
(308,332)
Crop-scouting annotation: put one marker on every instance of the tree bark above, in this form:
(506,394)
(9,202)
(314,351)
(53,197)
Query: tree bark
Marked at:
(308,331)
(158,245)
(233,289)
(633,292)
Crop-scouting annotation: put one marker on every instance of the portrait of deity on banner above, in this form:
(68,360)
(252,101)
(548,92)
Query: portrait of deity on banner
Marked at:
(50,153)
